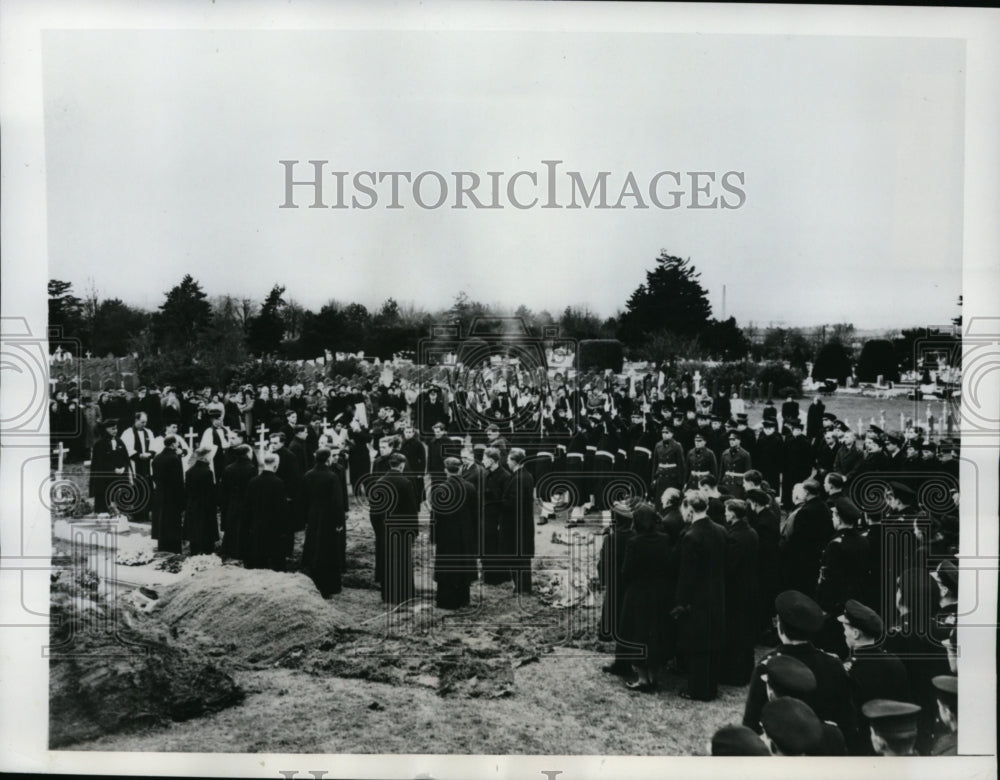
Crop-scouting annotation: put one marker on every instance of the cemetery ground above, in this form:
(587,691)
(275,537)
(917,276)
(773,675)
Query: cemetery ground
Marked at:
(225,659)
(267,665)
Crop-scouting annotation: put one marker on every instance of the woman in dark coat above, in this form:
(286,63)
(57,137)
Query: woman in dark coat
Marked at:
(453,503)
(645,607)
(323,507)
(201,528)
(109,466)
(609,572)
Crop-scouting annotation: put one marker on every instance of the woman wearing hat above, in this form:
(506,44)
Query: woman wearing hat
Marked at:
(109,464)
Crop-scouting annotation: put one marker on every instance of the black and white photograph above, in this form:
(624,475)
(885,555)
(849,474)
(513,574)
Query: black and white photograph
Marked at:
(512,390)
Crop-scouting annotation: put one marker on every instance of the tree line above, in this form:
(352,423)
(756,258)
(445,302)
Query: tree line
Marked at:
(666,319)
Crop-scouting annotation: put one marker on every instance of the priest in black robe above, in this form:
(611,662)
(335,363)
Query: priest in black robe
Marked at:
(268,517)
(453,503)
(201,526)
(168,498)
(323,507)
(394,492)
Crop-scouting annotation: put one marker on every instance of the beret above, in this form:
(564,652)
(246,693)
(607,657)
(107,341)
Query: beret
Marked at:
(901,491)
(846,509)
(798,611)
(738,741)
(792,726)
(788,676)
(947,574)
(862,618)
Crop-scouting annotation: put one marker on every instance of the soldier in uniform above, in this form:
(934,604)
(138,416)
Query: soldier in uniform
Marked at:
(809,533)
(873,672)
(788,676)
(799,620)
(735,464)
(946,686)
(844,563)
(893,726)
(643,440)
(700,461)
(668,462)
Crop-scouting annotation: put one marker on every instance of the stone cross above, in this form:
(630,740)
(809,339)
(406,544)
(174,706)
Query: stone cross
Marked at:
(61,452)
(190,436)
(263,431)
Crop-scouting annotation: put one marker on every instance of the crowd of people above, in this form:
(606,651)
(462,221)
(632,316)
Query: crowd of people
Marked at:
(722,537)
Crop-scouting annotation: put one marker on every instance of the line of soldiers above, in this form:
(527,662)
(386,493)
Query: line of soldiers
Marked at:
(866,598)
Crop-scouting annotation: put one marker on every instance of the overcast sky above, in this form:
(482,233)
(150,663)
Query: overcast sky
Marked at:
(163,146)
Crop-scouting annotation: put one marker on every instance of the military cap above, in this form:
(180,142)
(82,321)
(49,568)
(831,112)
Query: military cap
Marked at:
(796,423)
(892,718)
(946,688)
(666,427)
(715,418)
(847,510)
(947,574)
(829,416)
(902,492)
(738,741)
(894,438)
(842,426)
(788,676)
(876,430)
(734,435)
(792,726)
(798,611)
(699,435)
(769,423)
(741,417)
(862,618)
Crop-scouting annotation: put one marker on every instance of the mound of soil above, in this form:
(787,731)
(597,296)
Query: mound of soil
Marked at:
(261,616)
(119,671)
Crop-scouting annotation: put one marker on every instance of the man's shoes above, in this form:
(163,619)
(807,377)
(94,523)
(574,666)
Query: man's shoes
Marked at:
(616,669)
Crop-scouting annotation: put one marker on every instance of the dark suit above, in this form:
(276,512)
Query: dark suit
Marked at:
(701,586)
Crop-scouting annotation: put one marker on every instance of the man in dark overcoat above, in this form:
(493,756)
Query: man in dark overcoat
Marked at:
(453,503)
(516,541)
(701,602)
